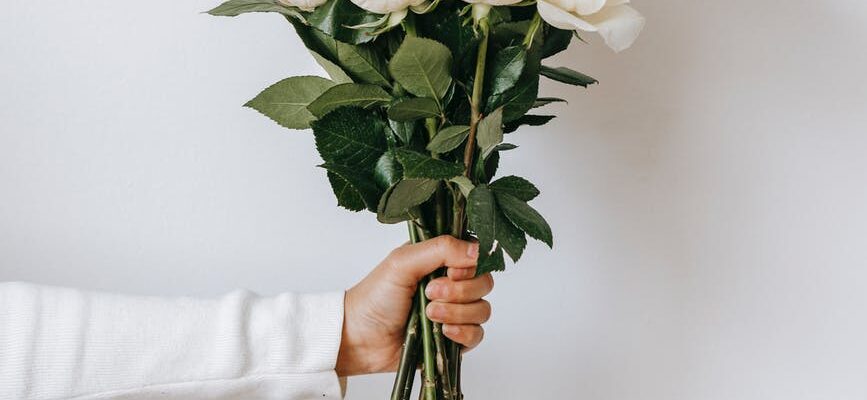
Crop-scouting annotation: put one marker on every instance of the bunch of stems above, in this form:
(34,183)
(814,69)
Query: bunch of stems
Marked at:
(424,345)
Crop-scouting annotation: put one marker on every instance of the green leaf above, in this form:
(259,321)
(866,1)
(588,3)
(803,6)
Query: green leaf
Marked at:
(556,40)
(446,25)
(360,62)
(490,132)
(387,170)
(513,33)
(484,169)
(336,17)
(337,74)
(490,262)
(566,75)
(348,94)
(544,101)
(397,204)
(490,225)
(519,99)
(516,186)
(234,8)
(404,130)
(505,147)
(530,120)
(422,67)
(417,165)
(525,217)
(448,138)
(482,216)
(506,67)
(286,101)
(412,109)
(350,136)
(464,184)
(356,180)
(347,196)
(510,238)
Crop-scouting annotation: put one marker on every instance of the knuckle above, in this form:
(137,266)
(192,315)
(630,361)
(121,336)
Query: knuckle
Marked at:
(392,260)
(394,254)
(444,242)
(458,292)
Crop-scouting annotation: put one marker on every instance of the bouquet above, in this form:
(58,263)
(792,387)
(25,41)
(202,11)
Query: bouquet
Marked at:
(412,122)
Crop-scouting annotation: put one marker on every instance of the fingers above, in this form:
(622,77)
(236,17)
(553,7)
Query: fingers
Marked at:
(477,312)
(468,335)
(458,274)
(462,291)
(412,262)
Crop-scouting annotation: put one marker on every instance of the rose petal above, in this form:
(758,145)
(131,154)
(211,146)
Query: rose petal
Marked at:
(304,5)
(618,25)
(386,6)
(562,19)
(494,2)
(612,3)
(584,7)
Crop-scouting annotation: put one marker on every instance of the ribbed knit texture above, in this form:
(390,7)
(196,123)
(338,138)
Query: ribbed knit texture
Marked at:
(58,343)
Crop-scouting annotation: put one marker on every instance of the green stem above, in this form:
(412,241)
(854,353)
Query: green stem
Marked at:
(428,388)
(459,219)
(408,357)
(476,100)
(429,377)
(442,362)
(409,353)
(409,24)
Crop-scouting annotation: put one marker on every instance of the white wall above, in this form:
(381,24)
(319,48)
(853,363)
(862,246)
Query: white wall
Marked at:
(709,198)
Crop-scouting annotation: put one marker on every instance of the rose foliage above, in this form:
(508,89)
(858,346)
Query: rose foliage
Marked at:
(414,117)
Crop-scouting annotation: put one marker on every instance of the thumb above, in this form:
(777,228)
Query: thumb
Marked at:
(413,261)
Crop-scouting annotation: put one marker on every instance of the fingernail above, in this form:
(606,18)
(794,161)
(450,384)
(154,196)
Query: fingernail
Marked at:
(433,290)
(473,250)
(450,330)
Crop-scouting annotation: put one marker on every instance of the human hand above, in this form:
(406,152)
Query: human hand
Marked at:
(376,309)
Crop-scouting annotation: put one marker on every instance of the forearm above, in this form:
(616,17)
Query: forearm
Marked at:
(62,343)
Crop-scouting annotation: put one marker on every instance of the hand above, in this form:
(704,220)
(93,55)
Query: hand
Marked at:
(376,309)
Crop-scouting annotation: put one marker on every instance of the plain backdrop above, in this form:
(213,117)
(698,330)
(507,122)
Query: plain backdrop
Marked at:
(708,198)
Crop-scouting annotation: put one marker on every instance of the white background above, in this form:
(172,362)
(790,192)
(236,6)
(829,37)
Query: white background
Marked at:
(708,198)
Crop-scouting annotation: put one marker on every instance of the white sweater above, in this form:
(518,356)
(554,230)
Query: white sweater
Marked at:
(58,343)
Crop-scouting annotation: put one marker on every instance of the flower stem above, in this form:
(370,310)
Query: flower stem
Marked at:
(428,385)
(476,100)
(409,24)
(408,363)
(429,378)
(442,362)
(459,220)
(408,357)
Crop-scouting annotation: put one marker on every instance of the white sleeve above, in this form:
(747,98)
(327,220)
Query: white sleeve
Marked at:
(58,343)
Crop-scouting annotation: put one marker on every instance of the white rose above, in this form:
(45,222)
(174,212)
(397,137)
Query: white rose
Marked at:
(616,22)
(306,5)
(388,6)
(494,2)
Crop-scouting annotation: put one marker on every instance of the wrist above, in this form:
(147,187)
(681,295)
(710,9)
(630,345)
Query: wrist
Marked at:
(353,356)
